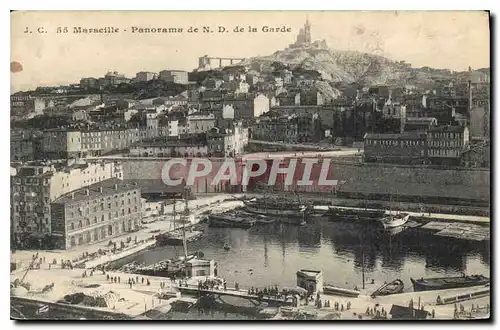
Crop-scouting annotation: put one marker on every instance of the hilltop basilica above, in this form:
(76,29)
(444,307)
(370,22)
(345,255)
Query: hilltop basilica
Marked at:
(304,38)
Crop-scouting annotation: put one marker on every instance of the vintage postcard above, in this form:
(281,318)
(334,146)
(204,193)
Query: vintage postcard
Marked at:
(249,165)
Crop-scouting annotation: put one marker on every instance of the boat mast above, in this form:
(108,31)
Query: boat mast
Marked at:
(363,264)
(173,217)
(186,217)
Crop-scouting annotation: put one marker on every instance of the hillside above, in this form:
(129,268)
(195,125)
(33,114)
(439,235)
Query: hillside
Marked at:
(345,66)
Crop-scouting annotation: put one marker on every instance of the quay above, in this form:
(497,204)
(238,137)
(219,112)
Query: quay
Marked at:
(232,292)
(131,302)
(434,216)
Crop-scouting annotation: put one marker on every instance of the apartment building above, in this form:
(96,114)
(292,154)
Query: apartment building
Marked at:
(95,213)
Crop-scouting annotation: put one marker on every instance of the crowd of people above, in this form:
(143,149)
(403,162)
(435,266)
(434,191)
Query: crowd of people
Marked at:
(376,312)
(214,284)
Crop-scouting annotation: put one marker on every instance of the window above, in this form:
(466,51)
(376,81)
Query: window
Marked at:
(72,226)
(129,210)
(123,212)
(95,219)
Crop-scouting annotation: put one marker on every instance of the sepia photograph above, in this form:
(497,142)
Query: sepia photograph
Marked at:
(250,165)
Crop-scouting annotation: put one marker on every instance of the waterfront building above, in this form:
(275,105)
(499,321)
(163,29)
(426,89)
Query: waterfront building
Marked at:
(95,213)
(402,148)
(36,184)
(447,143)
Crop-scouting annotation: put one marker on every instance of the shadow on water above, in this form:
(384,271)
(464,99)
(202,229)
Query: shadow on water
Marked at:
(266,255)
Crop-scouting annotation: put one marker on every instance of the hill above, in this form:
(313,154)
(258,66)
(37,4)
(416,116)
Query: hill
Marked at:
(346,67)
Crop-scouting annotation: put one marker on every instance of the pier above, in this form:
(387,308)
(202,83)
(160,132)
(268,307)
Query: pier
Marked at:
(232,292)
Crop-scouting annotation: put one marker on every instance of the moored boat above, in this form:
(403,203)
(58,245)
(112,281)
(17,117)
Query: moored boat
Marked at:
(394,220)
(278,208)
(396,286)
(452,282)
(228,220)
(176,237)
(333,290)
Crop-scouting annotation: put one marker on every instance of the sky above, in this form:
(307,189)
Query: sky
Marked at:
(449,40)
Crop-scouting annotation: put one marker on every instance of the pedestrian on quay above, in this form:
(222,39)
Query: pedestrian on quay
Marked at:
(107,277)
(147,282)
(49,266)
(118,279)
(433,314)
(142,280)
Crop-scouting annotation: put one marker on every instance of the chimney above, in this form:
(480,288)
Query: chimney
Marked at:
(87,192)
(116,186)
(72,195)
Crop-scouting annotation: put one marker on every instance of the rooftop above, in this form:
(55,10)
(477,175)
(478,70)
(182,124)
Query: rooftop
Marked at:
(109,187)
(395,136)
(447,129)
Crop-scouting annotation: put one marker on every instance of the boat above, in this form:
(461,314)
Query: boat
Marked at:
(394,220)
(396,286)
(340,214)
(333,290)
(178,235)
(228,220)
(452,282)
(226,247)
(277,208)
(164,268)
(263,219)
(176,238)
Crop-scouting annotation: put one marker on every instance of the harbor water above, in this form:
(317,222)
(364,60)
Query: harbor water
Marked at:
(268,255)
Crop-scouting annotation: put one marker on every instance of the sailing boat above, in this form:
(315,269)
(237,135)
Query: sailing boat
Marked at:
(180,236)
(394,220)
